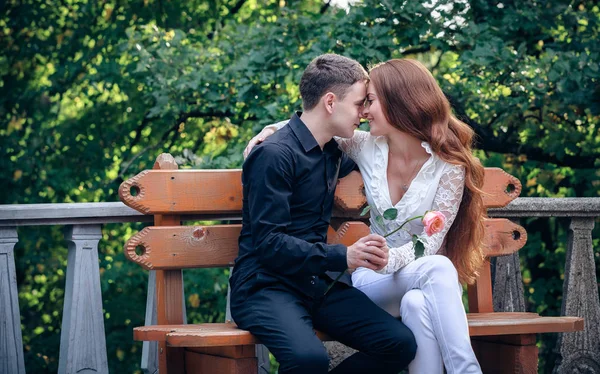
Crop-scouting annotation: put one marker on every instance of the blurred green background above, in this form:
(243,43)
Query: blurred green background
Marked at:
(93,91)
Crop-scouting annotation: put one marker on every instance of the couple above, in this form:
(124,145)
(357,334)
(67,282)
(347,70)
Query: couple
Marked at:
(417,157)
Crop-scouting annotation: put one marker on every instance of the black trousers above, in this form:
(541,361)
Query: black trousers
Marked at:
(284,320)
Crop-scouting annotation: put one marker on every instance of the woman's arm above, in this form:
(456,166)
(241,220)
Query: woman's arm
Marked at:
(350,146)
(265,133)
(447,201)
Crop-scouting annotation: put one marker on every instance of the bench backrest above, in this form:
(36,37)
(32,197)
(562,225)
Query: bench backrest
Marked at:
(173,195)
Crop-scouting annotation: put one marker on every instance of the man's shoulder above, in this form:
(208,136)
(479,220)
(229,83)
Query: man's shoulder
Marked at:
(271,152)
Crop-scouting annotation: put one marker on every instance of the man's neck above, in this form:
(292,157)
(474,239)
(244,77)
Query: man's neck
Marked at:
(317,126)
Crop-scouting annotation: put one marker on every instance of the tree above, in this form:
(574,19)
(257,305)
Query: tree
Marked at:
(93,91)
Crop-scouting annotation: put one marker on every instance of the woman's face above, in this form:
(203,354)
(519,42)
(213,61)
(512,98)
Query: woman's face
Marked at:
(373,112)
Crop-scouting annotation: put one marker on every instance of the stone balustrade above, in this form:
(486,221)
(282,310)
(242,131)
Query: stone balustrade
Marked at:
(83,341)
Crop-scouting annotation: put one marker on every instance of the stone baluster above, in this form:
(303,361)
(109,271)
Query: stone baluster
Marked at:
(11,341)
(508,294)
(579,352)
(150,349)
(82,339)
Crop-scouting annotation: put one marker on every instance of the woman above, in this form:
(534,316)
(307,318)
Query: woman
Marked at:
(417,157)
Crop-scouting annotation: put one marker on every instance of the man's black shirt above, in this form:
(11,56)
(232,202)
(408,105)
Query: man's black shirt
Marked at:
(288,186)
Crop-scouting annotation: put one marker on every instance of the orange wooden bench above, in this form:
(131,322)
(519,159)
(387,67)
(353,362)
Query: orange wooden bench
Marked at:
(503,342)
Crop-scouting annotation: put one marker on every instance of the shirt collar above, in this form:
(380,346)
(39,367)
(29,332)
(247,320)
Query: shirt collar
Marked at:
(302,132)
(307,139)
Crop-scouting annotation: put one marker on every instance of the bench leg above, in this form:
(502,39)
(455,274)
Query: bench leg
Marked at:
(171,360)
(514,354)
(225,360)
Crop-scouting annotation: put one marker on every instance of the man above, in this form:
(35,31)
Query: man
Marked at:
(279,282)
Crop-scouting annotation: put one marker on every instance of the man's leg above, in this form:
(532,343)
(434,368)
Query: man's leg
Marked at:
(280,320)
(385,344)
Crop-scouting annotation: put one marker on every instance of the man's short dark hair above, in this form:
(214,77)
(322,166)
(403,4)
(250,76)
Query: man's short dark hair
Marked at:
(329,73)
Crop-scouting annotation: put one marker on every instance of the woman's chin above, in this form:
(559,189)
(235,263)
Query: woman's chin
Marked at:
(374,132)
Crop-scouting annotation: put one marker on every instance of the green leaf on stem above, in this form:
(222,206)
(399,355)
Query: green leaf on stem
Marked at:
(419,248)
(379,220)
(365,211)
(390,214)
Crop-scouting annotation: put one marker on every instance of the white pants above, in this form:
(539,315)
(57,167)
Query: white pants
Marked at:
(427,295)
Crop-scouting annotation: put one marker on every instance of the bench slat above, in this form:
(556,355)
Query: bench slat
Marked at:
(499,187)
(220,191)
(179,247)
(227,334)
(503,237)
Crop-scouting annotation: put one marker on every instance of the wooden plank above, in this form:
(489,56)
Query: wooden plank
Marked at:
(499,187)
(350,193)
(228,334)
(197,363)
(503,237)
(481,324)
(220,191)
(179,247)
(237,351)
(515,354)
(183,191)
(480,293)
(170,307)
(200,335)
(348,233)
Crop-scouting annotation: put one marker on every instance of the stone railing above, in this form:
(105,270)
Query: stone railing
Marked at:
(83,345)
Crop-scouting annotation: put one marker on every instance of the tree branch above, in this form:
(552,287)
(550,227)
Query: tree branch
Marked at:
(487,141)
(236,8)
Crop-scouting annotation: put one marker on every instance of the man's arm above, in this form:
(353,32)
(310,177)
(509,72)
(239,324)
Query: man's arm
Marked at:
(268,182)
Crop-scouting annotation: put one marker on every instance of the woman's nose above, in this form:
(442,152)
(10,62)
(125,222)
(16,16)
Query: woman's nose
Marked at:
(364,112)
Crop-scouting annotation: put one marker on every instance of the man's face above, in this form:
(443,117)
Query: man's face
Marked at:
(347,113)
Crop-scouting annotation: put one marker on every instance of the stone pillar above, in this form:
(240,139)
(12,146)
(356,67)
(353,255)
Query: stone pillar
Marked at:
(508,294)
(11,340)
(150,349)
(82,339)
(579,352)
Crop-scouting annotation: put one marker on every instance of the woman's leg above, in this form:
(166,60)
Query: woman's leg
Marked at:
(437,278)
(411,306)
(415,316)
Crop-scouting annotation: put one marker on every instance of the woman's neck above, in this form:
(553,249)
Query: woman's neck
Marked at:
(405,147)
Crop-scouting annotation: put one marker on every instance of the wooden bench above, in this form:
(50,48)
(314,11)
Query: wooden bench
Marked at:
(503,342)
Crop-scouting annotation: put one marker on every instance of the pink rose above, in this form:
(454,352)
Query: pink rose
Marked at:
(434,222)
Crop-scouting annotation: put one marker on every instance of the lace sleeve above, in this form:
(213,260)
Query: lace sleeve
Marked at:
(352,146)
(447,201)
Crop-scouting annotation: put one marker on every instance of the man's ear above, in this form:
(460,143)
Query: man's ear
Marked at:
(329,101)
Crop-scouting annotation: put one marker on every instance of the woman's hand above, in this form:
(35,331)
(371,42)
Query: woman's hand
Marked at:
(265,133)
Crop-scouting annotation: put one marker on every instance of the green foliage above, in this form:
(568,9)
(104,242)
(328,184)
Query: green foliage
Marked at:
(92,92)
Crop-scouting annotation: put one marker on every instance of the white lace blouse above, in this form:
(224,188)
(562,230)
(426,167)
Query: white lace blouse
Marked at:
(438,186)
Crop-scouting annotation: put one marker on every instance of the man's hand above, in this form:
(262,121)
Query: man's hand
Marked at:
(370,252)
(265,133)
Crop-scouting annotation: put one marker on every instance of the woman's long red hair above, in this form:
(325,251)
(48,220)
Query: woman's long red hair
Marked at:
(413,102)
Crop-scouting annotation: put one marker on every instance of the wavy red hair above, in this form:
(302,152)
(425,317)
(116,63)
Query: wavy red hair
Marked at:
(414,103)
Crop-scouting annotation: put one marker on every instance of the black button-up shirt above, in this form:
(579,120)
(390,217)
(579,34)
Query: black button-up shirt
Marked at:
(289,185)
